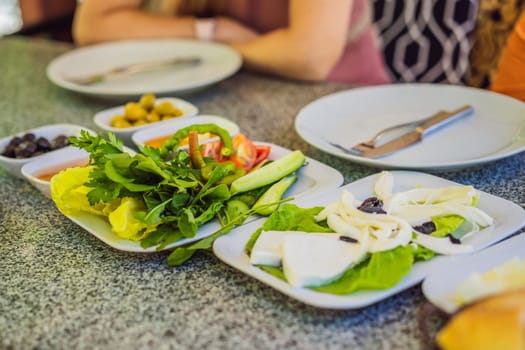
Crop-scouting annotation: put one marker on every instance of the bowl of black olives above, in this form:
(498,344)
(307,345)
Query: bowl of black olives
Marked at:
(17,150)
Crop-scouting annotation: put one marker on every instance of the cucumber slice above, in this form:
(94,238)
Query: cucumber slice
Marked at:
(270,173)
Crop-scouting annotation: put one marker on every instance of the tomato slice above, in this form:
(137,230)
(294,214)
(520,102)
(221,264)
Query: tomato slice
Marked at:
(213,150)
(244,152)
(263,152)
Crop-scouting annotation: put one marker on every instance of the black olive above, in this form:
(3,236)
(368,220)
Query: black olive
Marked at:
(43,144)
(426,228)
(29,146)
(60,141)
(25,149)
(348,239)
(9,151)
(29,137)
(15,141)
(23,153)
(372,205)
(453,239)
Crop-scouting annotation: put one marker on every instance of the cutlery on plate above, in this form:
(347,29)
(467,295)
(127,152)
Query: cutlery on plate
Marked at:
(421,130)
(362,146)
(133,69)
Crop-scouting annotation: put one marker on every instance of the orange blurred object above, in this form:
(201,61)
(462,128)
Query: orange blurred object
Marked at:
(510,76)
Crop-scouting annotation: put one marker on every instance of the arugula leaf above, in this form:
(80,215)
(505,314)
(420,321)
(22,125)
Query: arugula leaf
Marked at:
(187,223)
(154,215)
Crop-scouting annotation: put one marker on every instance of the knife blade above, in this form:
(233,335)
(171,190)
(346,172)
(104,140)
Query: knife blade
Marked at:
(133,69)
(440,120)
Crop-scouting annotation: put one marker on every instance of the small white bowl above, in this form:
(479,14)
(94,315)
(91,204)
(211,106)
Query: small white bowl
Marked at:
(14,165)
(141,137)
(103,118)
(53,162)
(50,164)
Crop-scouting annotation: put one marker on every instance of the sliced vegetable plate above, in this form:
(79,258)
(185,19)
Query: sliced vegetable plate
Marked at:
(314,177)
(508,218)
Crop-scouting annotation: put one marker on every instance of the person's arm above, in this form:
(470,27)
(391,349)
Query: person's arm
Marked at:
(309,48)
(107,20)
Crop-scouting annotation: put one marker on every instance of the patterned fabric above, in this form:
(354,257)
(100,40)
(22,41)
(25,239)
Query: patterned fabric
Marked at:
(426,40)
(495,21)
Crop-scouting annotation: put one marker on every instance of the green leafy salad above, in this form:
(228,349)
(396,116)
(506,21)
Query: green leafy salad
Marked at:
(354,245)
(160,196)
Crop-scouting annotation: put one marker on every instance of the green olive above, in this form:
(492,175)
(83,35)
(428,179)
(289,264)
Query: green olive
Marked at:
(147,101)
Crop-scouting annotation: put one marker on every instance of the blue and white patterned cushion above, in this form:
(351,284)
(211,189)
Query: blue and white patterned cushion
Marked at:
(426,40)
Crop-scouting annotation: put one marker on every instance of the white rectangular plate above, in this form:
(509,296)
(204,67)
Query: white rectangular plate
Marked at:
(508,217)
(442,284)
(314,177)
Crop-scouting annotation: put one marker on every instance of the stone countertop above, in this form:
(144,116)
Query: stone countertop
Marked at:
(62,288)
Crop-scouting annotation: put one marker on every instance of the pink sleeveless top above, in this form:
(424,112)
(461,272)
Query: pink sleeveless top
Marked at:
(361,62)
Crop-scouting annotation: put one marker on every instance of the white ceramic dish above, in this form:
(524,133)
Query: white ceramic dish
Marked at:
(218,62)
(103,118)
(51,163)
(314,178)
(508,217)
(14,166)
(141,137)
(495,130)
(442,284)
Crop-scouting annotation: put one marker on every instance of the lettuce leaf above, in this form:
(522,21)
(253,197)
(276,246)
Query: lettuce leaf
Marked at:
(445,225)
(383,270)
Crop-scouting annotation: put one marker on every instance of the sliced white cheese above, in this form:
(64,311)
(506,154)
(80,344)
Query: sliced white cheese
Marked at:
(384,185)
(441,245)
(451,194)
(415,214)
(267,250)
(342,226)
(385,231)
(318,259)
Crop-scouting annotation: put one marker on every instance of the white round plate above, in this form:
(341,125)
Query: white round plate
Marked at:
(218,63)
(495,130)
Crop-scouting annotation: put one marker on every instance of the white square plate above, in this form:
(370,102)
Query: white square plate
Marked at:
(315,177)
(508,218)
(441,286)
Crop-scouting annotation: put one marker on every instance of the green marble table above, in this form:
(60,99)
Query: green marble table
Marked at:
(62,288)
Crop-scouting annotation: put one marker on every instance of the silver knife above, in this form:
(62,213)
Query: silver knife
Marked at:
(133,69)
(437,122)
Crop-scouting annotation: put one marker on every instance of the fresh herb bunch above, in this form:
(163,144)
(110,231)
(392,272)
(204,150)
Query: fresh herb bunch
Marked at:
(178,197)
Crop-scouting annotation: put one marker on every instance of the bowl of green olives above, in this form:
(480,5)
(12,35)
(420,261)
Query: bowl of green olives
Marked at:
(149,110)
(23,147)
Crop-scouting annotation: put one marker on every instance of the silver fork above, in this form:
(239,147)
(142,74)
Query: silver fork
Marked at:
(371,143)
